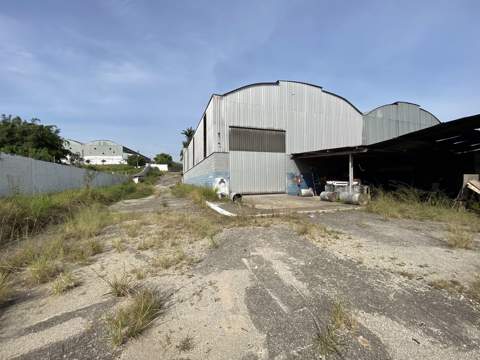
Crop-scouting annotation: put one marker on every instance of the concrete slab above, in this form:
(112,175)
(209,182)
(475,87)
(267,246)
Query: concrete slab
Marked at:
(286,202)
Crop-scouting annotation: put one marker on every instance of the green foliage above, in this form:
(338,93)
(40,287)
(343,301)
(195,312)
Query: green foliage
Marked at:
(117,168)
(136,160)
(176,166)
(152,176)
(31,139)
(163,158)
(188,132)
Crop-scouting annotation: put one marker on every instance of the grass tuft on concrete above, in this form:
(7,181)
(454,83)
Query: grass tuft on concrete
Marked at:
(459,238)
(130,320)
(64,282)
(121,286)
(329,340)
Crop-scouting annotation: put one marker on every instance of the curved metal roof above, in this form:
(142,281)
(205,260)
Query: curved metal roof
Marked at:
(403,102)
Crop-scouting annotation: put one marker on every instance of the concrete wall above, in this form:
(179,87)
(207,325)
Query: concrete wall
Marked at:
(204,173)
(23,175)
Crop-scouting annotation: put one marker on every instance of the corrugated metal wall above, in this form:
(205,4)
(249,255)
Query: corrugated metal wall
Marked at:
(257,172)
(313,119)
(389,121)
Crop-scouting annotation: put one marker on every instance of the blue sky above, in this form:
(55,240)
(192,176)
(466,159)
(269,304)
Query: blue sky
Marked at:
(138,72)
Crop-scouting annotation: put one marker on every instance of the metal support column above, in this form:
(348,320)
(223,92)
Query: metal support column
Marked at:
(350,173)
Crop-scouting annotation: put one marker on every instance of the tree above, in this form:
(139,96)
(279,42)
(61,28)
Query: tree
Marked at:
(31,139)
(136,160)
(188,132)
(163,158)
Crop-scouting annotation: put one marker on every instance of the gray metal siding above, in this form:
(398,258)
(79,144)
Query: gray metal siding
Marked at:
(260,140)
(257,172)
(393,120)
(313,119)
(23,175)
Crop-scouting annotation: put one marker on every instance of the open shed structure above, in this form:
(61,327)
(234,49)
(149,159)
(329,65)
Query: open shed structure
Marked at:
(281,136)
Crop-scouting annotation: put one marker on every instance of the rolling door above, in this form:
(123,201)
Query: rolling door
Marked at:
(257,160)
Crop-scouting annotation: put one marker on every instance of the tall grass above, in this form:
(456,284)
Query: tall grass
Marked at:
(199,194)
(22,216)
(410,203)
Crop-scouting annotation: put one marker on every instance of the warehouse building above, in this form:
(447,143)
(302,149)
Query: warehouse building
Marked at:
(101,152)
(281,136)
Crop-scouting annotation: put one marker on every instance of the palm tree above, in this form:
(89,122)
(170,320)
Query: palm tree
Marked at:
(188,132)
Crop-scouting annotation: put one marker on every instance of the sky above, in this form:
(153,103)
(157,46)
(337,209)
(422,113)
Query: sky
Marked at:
(139,72)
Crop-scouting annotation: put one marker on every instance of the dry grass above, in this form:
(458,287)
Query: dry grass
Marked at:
(119,245)
(121,286)
(43,270)
(197,194)
(132,230)
(73,241)
(139,273)
(166,261)
(452,286)
(130,320)
(329,341)
(64,282)
(5,287)
(146,244)
(24,216)
(455,287)
(411,203)
(458,237)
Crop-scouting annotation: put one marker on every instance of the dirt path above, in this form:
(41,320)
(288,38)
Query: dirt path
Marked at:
(259,292)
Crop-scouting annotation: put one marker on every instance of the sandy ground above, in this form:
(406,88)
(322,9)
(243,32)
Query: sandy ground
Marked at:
(265,292)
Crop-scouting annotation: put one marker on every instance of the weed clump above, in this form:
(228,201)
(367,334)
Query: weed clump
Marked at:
(63,283)
(330,341)
(121,286)
(167,261)
(458,237)
(129,321)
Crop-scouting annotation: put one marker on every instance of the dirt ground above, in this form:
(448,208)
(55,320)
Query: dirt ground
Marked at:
(263,292)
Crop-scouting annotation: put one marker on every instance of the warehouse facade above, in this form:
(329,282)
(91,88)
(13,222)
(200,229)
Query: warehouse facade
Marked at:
(252,136)
(101,152)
